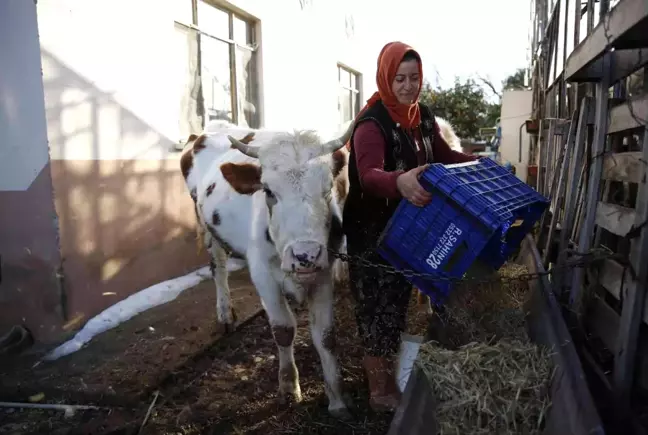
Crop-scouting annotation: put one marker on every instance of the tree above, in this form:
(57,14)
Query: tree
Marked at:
(493,113)
(515,80)
(464,105)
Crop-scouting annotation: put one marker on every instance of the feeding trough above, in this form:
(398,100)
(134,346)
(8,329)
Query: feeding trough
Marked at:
(478,216)
(565,408)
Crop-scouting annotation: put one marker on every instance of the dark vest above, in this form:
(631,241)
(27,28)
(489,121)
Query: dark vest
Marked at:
(365,216)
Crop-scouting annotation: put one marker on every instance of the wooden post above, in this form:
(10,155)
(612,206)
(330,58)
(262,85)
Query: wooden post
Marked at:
(544,190)
(596,167)
(584,176)
(542,151)
(542,167)
(577,16)
(571,194)
(633,301)
(557,191)
(616,145)
(549,143)
(590,27)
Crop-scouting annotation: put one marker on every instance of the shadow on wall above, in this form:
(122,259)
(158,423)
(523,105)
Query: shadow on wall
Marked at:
(126,219)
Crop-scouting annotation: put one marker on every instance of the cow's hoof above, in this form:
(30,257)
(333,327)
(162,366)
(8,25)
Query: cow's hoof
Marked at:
(286,397)
(228,321)
(342,414)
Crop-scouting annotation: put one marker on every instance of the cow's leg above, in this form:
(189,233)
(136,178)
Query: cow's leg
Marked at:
(283,326)
(341,268)
(218,266)
(320,304)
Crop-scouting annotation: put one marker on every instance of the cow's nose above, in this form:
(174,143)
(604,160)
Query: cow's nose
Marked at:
(306,253)
(303,256)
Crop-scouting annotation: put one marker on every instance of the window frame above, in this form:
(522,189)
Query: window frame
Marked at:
(252,46)
(355,91)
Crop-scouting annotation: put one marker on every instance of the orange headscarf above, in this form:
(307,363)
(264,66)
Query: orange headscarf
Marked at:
(389,59)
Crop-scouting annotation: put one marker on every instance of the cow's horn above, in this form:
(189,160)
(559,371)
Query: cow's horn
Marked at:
(248,150)
(336,144)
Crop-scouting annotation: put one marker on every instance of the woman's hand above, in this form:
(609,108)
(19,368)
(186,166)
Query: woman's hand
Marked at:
(409,186)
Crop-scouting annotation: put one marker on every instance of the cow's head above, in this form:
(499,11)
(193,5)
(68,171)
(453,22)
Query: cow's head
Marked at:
(295,173)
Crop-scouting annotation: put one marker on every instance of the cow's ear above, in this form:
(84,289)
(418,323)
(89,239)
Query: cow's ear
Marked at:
(245,178)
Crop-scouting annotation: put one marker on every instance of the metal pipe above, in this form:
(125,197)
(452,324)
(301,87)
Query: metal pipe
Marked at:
(520,143)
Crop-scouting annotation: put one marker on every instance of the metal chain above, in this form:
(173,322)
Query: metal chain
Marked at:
(592,257)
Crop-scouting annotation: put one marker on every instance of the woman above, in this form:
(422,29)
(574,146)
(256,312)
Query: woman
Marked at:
(394,138)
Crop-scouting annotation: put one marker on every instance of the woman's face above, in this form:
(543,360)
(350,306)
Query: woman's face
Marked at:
(406,83)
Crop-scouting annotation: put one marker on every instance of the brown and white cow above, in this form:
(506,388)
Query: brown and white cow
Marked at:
(271,199)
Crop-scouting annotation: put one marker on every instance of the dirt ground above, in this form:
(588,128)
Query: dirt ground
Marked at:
(203,382)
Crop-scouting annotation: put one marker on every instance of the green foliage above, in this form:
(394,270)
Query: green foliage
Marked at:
(464,105)
(515,80)
(493,112)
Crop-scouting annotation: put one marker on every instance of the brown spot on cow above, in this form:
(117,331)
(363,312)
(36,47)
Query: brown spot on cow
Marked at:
(339,160)
(210,189)
(186,163)
(283,335)
(245,178)
(192,136)
(341,188)
(199,143)
(248,138)
(216,219)
(328,339)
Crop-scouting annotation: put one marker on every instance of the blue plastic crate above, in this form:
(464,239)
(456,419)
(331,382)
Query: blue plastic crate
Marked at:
(479,211)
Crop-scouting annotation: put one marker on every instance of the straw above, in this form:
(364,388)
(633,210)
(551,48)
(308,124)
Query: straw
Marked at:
(501,388)
(488,378)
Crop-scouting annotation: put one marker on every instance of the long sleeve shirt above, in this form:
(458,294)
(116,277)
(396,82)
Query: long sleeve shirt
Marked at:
(369,145)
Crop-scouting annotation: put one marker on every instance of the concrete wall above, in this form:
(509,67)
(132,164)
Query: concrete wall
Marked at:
(516,108)
(114,74)
(29,288)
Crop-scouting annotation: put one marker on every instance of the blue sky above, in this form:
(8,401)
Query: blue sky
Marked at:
(455,37)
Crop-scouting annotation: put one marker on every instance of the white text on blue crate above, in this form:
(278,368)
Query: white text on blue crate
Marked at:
(444,247)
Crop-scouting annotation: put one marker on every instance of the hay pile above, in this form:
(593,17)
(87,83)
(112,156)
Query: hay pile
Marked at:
(488,311)
(489,389)
(488,378)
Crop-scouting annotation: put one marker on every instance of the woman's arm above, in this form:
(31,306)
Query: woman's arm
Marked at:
(369,145)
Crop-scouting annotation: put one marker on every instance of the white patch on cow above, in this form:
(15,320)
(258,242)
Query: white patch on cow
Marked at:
(448,133)
(295,202)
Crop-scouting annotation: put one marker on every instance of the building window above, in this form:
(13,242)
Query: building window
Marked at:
(227,62)
(348,94)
